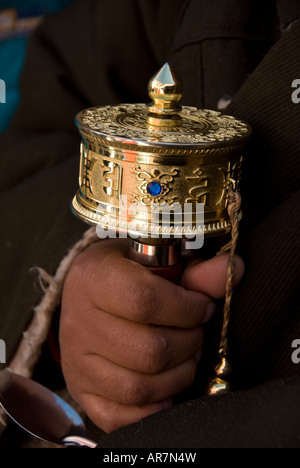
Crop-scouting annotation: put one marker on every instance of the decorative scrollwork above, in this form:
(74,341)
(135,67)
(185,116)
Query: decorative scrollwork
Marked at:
(158,177)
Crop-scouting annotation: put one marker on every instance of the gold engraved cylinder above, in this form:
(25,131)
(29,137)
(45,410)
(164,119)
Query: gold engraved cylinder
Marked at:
(137,159)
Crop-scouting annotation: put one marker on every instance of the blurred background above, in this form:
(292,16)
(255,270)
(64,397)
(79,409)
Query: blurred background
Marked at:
(18,19)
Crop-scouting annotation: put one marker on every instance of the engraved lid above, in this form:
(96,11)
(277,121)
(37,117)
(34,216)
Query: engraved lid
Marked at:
(163,123)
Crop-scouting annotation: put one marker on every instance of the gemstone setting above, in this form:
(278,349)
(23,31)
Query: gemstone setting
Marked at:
(154,189)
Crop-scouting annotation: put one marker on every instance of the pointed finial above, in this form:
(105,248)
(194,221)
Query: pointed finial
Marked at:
(165,89)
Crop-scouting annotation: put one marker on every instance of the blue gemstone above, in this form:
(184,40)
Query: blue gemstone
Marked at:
(154,188)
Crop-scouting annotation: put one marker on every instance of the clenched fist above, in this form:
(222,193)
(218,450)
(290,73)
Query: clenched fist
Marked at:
(130,340)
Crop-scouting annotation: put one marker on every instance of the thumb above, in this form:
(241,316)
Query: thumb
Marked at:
(209,277)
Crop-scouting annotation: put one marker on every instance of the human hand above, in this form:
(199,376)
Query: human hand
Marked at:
(130,340)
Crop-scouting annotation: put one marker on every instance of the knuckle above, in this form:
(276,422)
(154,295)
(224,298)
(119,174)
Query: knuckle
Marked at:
(155,355)
(143,302)
(79,275)
(136,392)
(87,267)
(107,264)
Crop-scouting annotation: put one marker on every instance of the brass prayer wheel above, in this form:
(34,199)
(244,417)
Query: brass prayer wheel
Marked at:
(137,159)
(146,169)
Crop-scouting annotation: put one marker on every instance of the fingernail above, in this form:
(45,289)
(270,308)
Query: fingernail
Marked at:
(209,312)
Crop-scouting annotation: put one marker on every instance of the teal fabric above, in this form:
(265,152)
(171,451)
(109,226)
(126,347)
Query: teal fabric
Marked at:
(46,5)
(13,51)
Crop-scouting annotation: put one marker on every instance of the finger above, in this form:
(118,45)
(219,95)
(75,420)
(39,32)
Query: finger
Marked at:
(209,277)
(140,347)
(110,416)
(101,377)
(127,289)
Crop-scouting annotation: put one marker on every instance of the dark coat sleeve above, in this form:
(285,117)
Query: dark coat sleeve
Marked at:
(263,417)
